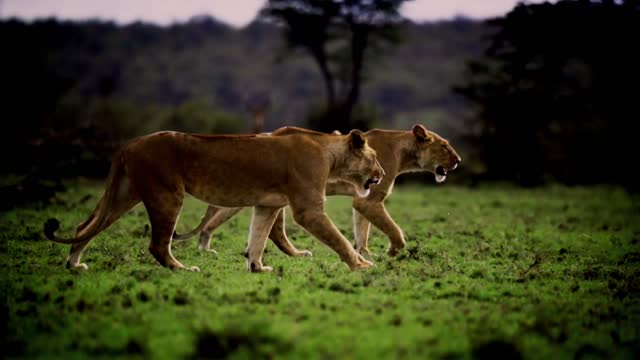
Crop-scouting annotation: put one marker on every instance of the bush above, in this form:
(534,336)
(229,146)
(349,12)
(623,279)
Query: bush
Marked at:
(200,117)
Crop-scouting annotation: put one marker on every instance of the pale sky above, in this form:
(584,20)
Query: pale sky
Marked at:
(234,12)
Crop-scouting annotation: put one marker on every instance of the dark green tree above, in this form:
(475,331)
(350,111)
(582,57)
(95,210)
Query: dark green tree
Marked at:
(308,26)
(555,94)
(340,35)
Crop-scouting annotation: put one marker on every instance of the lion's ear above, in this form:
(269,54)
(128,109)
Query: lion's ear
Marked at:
(336,132)
(357,139)
(420,132)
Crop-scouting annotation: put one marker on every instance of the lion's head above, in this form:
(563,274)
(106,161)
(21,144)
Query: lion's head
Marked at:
(360,165)
(434,154)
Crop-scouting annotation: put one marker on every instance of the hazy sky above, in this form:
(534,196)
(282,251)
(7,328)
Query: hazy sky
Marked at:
(234,12)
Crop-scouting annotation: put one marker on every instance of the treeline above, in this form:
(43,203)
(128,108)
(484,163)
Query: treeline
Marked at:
(139,78)
(72,91)
(556,95)
(545,93)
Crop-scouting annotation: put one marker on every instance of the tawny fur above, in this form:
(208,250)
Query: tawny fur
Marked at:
(266,172)
(417,150)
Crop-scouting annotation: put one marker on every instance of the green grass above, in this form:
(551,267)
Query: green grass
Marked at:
(547,273)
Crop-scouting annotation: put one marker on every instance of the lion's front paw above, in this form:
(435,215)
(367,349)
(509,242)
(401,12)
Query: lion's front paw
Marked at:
(394,250)
(257,267)
(206,248)
(361,263)
(364,251)
(367,264)
(364,265)
(303,253)
(77,267)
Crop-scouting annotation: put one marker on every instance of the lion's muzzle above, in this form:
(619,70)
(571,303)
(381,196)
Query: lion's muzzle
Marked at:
(372,181)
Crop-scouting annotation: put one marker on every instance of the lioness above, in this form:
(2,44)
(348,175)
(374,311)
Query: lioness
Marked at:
(398,152)
(266,172)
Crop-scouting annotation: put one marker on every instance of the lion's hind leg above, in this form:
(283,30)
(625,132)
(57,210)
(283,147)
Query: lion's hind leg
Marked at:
(217,217)
(121,201)
(164,208)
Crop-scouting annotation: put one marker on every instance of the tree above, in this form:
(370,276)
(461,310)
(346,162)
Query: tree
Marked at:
(553,92)
(339,35)
(307,25)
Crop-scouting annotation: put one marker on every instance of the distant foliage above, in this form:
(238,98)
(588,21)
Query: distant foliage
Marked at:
(56,74)
(198,116)
(555,92)
(88,86)
(362,117)
(341,36)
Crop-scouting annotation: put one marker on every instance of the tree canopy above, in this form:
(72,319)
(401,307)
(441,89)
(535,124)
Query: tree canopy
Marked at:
(341,36)
(555,91)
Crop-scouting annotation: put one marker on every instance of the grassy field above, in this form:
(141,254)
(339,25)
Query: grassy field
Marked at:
(544,273)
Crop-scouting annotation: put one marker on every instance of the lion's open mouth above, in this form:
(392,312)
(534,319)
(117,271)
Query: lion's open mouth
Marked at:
(366,187)
(441,174)
(369,182)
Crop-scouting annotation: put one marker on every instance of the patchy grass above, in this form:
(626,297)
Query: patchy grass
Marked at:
(545,273)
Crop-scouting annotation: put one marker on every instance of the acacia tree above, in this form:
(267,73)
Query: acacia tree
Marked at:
(339,35)
(307,25)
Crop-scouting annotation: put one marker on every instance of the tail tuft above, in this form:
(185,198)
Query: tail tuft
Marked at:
(51,226)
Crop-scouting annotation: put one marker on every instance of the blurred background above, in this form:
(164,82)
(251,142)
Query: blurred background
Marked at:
(530,93)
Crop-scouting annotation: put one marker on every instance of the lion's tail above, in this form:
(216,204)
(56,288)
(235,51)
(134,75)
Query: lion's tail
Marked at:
(203,222)
(188,235)
(98,219)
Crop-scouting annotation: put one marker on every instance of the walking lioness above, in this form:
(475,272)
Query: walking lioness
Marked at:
(266,172)
(399,152)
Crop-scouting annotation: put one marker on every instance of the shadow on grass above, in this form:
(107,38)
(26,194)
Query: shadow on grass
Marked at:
(211,344)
